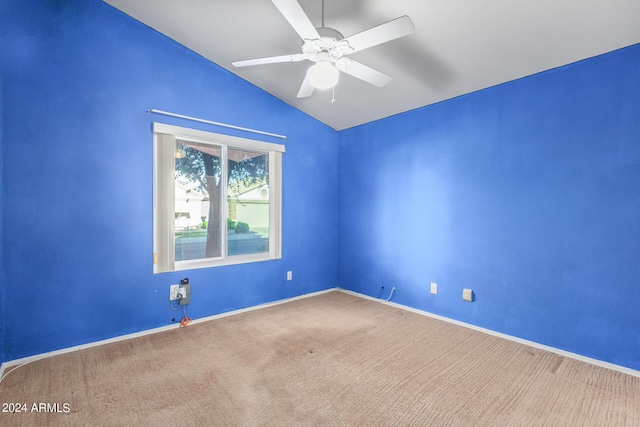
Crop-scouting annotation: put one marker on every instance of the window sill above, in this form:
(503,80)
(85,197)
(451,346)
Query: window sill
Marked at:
(219,262)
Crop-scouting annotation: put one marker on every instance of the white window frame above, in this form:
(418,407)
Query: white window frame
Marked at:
(164,138)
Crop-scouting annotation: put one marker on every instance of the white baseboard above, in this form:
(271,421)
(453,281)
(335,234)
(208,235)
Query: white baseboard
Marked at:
(603,364)
(29,359)
(612,366)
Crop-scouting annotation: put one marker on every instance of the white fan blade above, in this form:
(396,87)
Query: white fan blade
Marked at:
(270,60)
(367,74)
(383,33)
(306,89)
(292,11)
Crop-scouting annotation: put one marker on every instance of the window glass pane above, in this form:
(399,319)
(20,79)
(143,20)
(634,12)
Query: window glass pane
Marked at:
(217,199)
(248,202)
(197,201)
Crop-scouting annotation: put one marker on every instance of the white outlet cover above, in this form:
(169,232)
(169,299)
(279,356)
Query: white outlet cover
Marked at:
(173,292)
(434,288)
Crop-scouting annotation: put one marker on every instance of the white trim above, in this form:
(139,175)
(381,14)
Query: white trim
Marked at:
(224,204)
(600,363)
(191,264)
(275,214)
(164,166)
(596,362)
(28,359)
(211,137)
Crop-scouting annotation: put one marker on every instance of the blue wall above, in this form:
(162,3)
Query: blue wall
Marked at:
(79,77)
(528,193)
(2,5)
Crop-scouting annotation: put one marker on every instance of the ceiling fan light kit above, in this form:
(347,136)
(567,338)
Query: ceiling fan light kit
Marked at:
(328,47)
(323,75)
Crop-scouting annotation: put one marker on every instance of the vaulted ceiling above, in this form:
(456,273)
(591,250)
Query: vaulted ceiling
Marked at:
(458,47)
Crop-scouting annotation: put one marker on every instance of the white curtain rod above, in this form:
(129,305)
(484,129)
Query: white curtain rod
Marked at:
(180,116)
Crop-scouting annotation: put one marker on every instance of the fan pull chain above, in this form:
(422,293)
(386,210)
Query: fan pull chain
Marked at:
(333,95)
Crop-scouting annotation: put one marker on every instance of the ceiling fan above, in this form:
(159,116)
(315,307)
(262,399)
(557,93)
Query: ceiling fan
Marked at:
(328,49)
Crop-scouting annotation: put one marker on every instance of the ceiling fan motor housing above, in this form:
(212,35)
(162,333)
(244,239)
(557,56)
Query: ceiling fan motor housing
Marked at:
(329,47)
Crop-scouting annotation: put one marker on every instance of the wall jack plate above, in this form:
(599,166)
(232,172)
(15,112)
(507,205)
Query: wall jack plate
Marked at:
(173,292)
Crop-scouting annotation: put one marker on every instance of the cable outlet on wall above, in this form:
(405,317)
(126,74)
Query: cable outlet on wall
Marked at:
(434,288)
(173,292)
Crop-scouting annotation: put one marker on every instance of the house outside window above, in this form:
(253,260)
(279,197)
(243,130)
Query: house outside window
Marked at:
(216,199)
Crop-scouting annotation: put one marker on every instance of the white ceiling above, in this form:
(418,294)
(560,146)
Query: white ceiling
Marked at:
(458,46)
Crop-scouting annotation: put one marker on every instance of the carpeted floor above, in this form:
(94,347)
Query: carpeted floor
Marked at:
(332,359)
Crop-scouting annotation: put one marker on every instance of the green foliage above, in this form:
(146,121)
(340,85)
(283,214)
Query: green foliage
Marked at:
(195,166)
(204,224)
(231,224)
(247,168)
(200,164)
(246,171)
(242,227)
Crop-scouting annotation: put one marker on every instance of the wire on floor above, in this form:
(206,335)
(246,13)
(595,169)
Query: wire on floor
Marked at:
(391,294)
(186,319)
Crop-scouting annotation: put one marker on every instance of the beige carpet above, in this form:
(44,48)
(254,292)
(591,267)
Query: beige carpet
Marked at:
(332,359)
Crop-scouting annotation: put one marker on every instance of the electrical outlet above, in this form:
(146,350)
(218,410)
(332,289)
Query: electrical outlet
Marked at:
(289,275)
(467,295)
(434,288)
(173,292)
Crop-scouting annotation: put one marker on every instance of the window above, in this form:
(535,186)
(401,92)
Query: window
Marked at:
(216,199)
